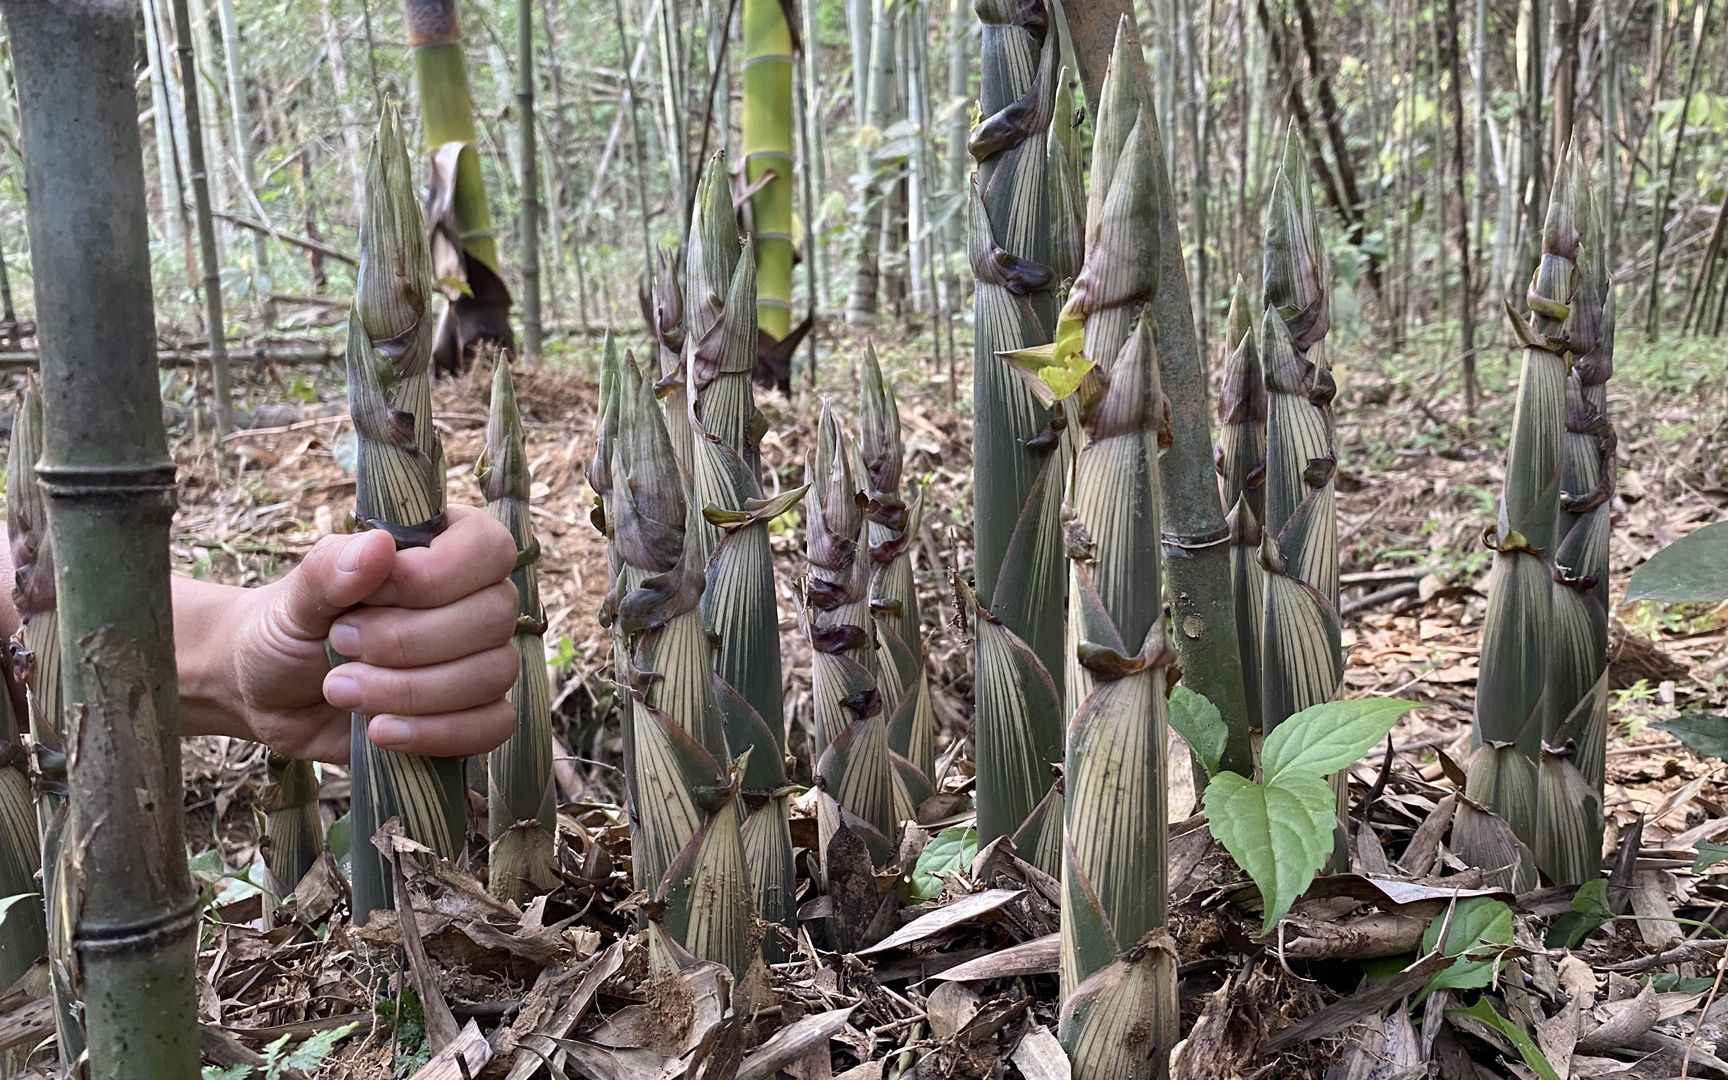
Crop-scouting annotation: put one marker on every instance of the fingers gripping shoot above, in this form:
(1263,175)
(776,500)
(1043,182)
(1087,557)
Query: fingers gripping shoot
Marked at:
(426,633)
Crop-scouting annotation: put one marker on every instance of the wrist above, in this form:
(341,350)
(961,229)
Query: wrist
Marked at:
(205,619)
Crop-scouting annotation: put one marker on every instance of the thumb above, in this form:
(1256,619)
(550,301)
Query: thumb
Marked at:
(339,572)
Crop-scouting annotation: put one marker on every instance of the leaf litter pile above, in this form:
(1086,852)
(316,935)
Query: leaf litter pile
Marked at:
(1411,965)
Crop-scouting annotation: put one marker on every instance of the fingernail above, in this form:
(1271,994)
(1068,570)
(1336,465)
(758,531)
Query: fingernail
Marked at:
(345,639)
(348,560)
(389,731)
(342,692)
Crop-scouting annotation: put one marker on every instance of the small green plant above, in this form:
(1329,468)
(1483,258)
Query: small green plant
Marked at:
(279,1060)
(1475,930)
(563,656)
(950,851)
(406,1019)
(1280,828)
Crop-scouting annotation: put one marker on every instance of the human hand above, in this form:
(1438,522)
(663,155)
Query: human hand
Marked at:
(428,646)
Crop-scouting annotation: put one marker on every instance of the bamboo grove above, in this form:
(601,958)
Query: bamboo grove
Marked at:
(1130,534)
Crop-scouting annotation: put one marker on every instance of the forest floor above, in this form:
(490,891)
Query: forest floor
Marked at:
(565,980)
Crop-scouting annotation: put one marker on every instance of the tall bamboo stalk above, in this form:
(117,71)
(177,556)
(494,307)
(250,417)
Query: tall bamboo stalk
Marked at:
(528,222)
(1019,449)
(465,247)
(210,264)
(399,486)
(1665,190)
(522,815)
(240,132)
(768,59)
(109,485)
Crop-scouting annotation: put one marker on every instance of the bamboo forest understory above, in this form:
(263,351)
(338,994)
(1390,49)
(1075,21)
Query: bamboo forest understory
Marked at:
(1054,539)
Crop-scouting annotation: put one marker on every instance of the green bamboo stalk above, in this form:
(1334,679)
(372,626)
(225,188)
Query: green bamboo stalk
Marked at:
(465,246)
(109,487)
(1518,629)
(1019,452)
(849,743)
(893,528)
(1242,473)
(210,263)
(1575,729)
(399,486)
(522,817)
(738,602)
(686,847)
(769,44)
(528,221)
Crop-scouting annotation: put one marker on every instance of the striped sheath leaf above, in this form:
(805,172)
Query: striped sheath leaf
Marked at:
(685,808)
(24,930)
(33,594)
(1114,870)
(37,666)
(1512,711)
(738,600)
(519,773)
(1012,683)
(893,527)
(1241,453)
(1575,730)
(293,829)
(663,307)
(850,740)
(1499,777)
(1517,639)
(1241,462)
(1301,648)
(1067,187)
(1295,279)
(1248,586)
(1301,652)
(1114,863)
(399,485)
(1568,845)
(1120,1024)
(1512,708)
(706,893)
(1018,443)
